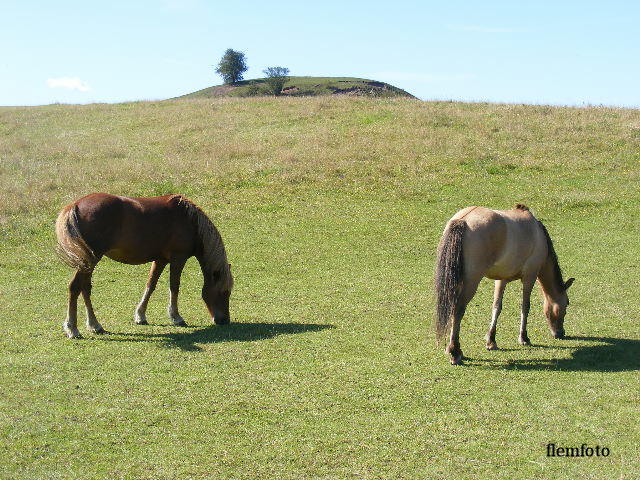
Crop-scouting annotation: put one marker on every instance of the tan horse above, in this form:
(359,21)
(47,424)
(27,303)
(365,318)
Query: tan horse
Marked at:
(503,246)
(163,230)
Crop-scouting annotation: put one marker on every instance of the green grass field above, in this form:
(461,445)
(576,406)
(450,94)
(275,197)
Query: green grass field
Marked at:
(331,210)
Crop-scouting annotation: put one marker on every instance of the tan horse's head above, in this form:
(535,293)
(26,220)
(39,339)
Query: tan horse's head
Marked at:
(555,309)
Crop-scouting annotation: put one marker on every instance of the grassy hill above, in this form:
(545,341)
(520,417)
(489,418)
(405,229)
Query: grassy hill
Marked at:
(305,87)
(331,209)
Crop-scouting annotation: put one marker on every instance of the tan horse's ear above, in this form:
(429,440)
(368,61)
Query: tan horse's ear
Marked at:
(568,283)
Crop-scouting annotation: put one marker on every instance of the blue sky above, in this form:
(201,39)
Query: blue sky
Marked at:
(556,52)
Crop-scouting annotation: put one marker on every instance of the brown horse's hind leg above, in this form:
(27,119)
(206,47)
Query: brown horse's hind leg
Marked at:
(175,270)
(154,274)
(92,322)
(70,324)
(495,313)
(527,286)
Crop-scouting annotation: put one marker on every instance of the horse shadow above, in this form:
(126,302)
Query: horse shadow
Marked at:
(192,337)
(609,355)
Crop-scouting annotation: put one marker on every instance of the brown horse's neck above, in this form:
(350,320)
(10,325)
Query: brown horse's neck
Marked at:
(551,279)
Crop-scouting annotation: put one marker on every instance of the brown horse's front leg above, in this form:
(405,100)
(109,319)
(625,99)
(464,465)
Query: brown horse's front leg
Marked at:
(154,274)
(175,270)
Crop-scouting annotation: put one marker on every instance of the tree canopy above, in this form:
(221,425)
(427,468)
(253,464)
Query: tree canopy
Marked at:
(231,67)
(276,78)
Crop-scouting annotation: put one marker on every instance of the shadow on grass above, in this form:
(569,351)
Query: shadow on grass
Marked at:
(234,332)
(610,355)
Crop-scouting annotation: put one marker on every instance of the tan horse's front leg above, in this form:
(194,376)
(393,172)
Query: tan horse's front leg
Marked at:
(527,286)
(495,313)
(175,270)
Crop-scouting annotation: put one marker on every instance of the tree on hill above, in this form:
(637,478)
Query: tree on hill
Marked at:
(276,78)
(231,67)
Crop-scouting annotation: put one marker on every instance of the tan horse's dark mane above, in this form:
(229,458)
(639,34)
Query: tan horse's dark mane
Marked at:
(214,256)
(554,259)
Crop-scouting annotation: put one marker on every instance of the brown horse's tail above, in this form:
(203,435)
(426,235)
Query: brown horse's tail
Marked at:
(449,272)
(72,249)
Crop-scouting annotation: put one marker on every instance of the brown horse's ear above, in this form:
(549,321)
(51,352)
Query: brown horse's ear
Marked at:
(568,283)
(229,266)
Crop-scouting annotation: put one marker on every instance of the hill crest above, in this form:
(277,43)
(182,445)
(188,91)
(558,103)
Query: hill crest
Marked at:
(304,87)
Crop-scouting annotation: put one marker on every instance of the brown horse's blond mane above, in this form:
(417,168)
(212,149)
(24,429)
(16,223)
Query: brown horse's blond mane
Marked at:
(214,256)
(554,259)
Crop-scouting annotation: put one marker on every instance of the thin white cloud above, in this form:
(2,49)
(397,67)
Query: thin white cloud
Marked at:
(424,77)
(70,83)
(481,29)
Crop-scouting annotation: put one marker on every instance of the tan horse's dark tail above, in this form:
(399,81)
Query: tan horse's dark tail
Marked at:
(449,274)
(72,248)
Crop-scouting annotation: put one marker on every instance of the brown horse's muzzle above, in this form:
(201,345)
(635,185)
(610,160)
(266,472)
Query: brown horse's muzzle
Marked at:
(559,334)
(221,319)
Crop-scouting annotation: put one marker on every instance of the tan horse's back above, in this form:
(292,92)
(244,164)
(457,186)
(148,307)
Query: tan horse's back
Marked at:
(501,244)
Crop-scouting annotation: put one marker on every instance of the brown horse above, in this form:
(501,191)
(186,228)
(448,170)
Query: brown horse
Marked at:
(163,230)
(504,246)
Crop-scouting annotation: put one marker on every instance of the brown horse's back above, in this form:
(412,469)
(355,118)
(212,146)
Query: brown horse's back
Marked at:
(136,230)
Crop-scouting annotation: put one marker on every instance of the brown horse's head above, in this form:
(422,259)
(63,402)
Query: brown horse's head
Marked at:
(555,310)
(216,293)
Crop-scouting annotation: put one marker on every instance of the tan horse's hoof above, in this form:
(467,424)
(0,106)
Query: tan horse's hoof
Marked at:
(492,346)
(525,342)
(456,360)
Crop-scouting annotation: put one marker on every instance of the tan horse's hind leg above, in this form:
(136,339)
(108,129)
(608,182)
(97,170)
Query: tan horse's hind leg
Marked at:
(175,270)
(154,274)
(453,349)
(527,286)
(495,313)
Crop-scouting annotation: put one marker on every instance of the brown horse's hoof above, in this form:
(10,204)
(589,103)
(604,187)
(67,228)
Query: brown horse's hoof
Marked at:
(100,331)
(525,342)
(141,322)
(71,332)
(492,346)
(181,323)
